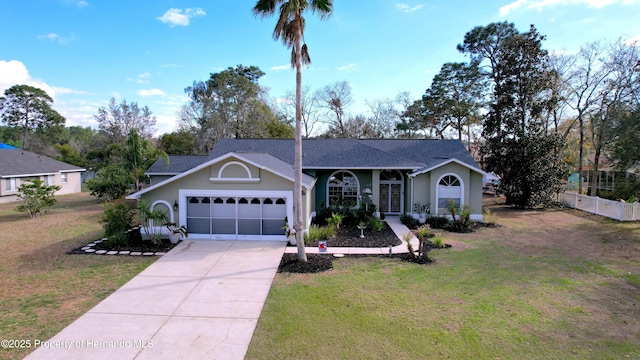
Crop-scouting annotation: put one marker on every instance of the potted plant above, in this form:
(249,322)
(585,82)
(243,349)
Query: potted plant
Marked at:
(177,233)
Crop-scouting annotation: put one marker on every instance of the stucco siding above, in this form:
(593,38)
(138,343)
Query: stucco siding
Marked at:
(201,180)
(73,184)
(475,193)
(421,192)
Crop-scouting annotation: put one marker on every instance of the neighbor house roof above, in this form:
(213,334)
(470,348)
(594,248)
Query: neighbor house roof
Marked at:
(18,162)
(415,155)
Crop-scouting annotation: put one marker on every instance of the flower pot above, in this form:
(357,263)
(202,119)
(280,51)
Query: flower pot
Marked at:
(174,237)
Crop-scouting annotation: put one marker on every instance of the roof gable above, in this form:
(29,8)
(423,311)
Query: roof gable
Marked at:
(262,161)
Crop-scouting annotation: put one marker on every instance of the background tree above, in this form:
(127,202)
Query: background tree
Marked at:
(335,99)
(290,29)
(517,144)
(383,117)
(117,120)
(455,98)
(111,182)
(584,81)
(180,142)
(617,100)
(34,196)
(30,108)
(310,119)
(231,104)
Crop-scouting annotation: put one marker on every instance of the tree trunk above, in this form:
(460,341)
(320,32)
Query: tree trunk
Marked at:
(297,188)
(581,155)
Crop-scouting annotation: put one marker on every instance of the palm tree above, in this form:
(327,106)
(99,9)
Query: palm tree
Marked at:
(290,29)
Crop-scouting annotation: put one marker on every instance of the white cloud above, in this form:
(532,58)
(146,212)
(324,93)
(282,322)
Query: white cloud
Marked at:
(540,4)
(281,100)
(347,67)
(141,78)
(633,40)
(407,8)
(14,72)
(151,92)
(179,17)
(76,3)
(280,67)
(56,38)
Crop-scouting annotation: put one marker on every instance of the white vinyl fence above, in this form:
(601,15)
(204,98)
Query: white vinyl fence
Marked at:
(617,210)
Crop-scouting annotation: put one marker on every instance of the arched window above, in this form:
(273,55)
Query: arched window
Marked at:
(449,189)
(343,189)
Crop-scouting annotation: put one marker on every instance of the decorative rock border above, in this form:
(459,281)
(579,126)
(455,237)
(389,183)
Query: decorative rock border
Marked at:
(89,249)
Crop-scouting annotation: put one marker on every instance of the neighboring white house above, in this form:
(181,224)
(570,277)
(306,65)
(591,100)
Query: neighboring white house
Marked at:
(18,166)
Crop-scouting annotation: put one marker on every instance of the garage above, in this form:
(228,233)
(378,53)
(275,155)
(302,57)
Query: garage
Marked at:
(229,215)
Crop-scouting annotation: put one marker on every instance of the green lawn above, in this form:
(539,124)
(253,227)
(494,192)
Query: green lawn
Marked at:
(493,296)
(42,289)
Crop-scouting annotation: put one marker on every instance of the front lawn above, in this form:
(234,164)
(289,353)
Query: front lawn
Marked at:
(42,289)
(547,285)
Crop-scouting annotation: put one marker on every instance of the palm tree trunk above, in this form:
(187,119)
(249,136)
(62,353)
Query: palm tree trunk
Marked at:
(297,188)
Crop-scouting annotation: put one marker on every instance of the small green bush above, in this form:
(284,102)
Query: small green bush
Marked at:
(489,217)
(335,220)
(117,218)
(423,231)
(317,233)
(376,224)
(437,222)
(118,241)
(437,242)
(408,221)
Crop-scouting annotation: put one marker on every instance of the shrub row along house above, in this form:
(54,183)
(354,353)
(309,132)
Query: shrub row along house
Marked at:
(244,188)
(18,166)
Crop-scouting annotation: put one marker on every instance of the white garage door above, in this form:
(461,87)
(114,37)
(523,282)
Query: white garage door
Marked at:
(236,217)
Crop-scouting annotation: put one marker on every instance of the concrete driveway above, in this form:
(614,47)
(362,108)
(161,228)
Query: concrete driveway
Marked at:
(201,300)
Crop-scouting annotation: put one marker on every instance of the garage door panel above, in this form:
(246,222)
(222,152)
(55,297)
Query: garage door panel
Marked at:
(223,226)
(248,226)
(199,226)
(272,227)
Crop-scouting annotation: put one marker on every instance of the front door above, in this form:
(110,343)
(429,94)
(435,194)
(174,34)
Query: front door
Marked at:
(390,197)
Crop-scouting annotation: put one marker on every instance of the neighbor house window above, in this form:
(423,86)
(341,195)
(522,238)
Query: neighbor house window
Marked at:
(63,178)
(343,189)
(10,184)
(48,180)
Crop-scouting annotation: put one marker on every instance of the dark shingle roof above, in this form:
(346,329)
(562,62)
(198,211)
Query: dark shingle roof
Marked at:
(336,153)
(177,164)
(15,162)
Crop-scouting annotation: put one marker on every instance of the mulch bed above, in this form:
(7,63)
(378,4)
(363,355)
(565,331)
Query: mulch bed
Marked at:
(135,244)
(323,262)
(349,236)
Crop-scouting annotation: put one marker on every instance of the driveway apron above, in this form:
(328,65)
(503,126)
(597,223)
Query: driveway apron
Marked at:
(201,300)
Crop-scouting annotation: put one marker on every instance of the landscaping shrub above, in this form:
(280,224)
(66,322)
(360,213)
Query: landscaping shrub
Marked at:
(365,212)
(117,218)
(408,221)
(317,233)
(489,218)
(437,222)
(118,241)
(437,242)
(34,196)
(335,220)
(376,224)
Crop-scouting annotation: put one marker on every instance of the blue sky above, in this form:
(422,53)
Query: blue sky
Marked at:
(83,52)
